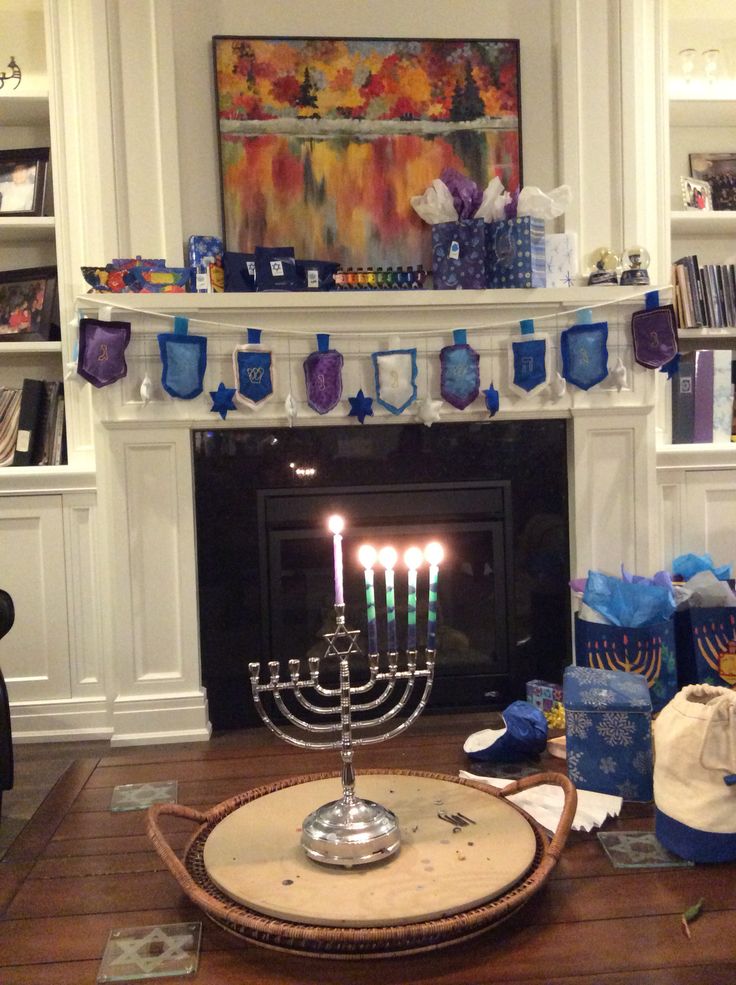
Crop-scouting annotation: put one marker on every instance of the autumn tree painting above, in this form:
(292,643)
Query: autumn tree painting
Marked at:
(324,141)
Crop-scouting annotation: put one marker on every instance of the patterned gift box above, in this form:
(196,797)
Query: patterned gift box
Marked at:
(459,254)
(543,694)
(515,252)
(609,732)
(561,259)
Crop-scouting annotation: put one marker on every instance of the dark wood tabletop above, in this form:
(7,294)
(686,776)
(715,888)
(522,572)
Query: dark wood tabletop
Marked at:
(77,871)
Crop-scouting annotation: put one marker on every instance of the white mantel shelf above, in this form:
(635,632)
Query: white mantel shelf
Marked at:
(564,297)
(695,222)
(29,479)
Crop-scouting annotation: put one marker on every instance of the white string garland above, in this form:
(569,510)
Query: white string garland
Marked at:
(104,300)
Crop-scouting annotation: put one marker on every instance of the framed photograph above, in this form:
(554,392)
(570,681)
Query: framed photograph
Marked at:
(696,194)
(28,305)
(719,170)
(25,185)
(323,141)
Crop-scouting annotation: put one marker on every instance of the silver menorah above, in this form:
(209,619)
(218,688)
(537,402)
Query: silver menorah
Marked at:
(354,831)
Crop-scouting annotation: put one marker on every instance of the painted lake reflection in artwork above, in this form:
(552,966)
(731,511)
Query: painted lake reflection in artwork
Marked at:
(324,142)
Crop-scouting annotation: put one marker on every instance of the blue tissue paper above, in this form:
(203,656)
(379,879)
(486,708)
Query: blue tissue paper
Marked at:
(687,565)
(628,603)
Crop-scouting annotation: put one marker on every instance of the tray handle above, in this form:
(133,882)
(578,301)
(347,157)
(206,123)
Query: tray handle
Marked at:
(162,846)
(554,849)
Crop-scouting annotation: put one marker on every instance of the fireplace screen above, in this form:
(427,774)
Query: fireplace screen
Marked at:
(265,561)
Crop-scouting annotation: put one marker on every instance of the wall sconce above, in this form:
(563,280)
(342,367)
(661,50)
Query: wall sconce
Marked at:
(710,58)
(687,63)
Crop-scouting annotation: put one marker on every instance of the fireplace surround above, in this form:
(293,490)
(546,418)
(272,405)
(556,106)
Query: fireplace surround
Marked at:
(494,492)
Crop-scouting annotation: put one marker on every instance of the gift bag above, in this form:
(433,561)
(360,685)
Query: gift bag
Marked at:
(706,646)
(695,774)
(515,253)
(459,254)
(645,650)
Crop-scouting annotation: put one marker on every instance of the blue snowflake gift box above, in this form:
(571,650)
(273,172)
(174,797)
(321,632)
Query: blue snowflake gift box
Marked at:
(608,715)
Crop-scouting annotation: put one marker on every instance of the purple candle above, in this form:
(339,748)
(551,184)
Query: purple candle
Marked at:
(336,525)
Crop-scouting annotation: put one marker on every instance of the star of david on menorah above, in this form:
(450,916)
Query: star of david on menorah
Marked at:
(373,691)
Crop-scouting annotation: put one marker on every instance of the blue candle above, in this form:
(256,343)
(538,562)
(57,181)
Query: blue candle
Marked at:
(367,557)
(388,558)
(412,559)
(434,554)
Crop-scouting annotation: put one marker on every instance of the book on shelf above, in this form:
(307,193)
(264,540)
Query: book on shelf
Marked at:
(703,398)
(40,417)
(704,295)
(9,415)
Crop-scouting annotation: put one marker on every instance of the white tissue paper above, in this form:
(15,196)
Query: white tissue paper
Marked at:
(703,591)
(436,204)
(494,201)
(534,202)
(545,802)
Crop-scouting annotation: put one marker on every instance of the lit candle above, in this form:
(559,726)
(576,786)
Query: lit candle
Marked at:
(336,524)
(367,557)
(412,559)
(388,558)
(433,553)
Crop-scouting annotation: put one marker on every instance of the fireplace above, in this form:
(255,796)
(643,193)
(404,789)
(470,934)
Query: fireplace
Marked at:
(495,493)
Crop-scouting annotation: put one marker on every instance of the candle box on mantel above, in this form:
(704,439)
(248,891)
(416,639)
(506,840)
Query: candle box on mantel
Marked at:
(608,716)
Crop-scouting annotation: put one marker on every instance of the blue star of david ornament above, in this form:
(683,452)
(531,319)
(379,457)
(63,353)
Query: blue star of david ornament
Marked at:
(222,400)
(361,406)
(492,400)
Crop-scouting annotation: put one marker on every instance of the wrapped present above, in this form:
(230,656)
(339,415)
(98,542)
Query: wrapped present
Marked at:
(543,695)
(516,253)
(609,732)
(459,254)
(561,259)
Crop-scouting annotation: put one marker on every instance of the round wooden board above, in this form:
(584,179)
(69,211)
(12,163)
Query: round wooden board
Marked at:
(254,855)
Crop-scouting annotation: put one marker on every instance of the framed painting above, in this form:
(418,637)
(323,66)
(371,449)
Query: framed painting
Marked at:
(28,305)
(25,185)
(323,141)
(719,170)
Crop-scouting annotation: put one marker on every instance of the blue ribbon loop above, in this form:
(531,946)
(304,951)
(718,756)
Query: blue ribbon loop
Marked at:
(651,300)
(323,342)
(527,326)
(181,325)
(460,336)
(254,336)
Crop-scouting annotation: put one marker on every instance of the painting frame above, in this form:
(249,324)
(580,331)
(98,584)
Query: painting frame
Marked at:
(696,194)
(718,168)
(28,305)
(33,195)
(322,141)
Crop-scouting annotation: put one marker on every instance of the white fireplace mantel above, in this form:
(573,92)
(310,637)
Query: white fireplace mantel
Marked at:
(145,481)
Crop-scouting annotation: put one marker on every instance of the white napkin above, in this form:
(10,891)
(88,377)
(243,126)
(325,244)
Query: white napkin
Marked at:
(546,801)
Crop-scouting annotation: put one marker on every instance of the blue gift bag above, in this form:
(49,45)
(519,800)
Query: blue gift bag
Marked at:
(706,646)
(459,254)
(646,650)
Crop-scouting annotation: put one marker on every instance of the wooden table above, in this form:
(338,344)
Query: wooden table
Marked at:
(78,871)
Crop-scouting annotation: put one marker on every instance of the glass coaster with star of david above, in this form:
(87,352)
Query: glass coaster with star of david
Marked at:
(135,953)
(139,796)
(638,850)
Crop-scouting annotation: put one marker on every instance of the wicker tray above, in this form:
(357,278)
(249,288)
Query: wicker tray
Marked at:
(349,942)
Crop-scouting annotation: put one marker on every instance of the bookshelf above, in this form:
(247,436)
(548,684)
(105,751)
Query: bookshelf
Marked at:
(28,242)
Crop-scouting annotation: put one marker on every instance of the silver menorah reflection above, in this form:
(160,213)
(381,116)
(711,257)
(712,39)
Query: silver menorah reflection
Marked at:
(372,692)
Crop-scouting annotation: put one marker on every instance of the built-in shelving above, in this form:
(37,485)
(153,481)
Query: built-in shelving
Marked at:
(697,223)
(702,112)
(23,348)
(24,110)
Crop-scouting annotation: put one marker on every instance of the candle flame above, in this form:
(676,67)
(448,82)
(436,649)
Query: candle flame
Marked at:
(367,555)
(335,524)
(388,557)
(434,553)
(413,558)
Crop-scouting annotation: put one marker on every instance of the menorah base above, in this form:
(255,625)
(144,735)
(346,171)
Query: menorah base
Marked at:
(351,832)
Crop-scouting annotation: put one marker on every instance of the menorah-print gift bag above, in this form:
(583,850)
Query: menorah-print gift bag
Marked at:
(645,650)
(706,646)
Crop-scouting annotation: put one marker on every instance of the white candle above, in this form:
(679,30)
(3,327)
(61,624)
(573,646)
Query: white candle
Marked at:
(336,525)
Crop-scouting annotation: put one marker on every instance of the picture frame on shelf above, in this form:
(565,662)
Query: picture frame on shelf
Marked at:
(719,170)
(25,182)
(696,194)
(29,307)
(316,137)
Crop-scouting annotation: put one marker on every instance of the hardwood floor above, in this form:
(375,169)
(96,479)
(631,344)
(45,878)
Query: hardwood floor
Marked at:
(77,871)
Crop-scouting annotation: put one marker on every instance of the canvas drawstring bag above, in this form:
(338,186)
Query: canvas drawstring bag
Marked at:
(695,774)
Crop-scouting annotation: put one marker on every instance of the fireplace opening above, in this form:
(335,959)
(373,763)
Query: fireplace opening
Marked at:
(494,494)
